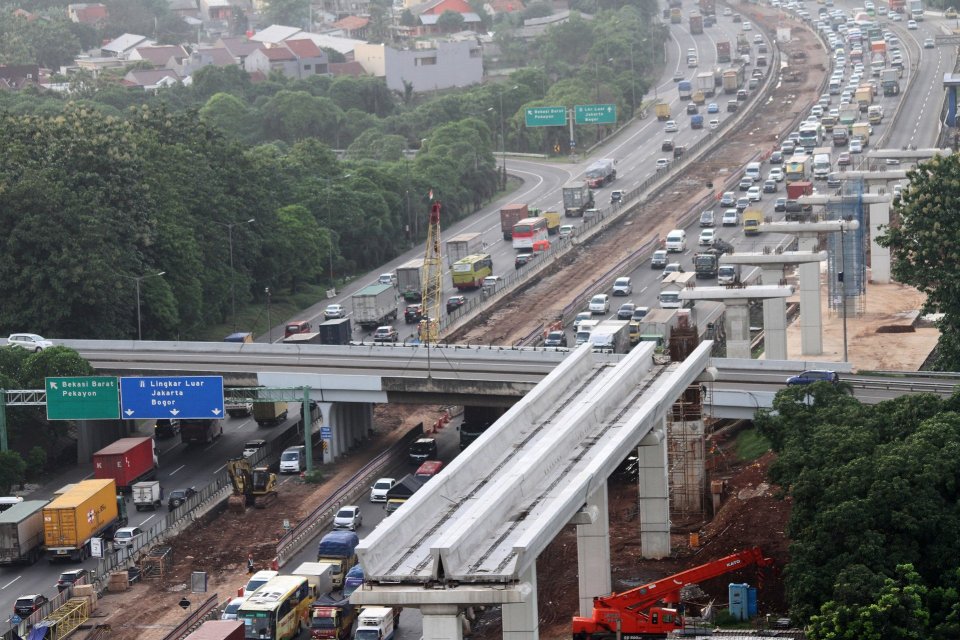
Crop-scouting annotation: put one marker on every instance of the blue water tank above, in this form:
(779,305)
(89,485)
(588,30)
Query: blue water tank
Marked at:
(752,602)
(738,597)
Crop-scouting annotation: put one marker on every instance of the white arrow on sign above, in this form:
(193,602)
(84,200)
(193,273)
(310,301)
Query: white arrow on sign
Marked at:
(216,412)
(129,412)
(174,412)
(53,385)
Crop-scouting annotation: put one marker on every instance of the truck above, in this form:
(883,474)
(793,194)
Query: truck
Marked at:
(269,413)
(821,163)
(864,97)
(126,461)
(332,619)
(319,576)
(676,16)
(637,613)
(743,45)
(408,280)
(340,549)
(705,264)
(200,431)
(728,274)
(707,7)
(732,80)
(723,51)
(662,109)
(752,218)
(511,214)
(21,533)
(147,495)
(861,130)
(705,83)
(658,325)
(375,623)
(374,305)
(670,288)
(460,246)
(476,420)
(848,115)
(584,330)
(88,509)
(696,122)
(611,336)
(916,10)
(875,114)
(898,6)
(577,198)
(797,168)
(297,338)
(335,331)
(601,172)
(218,630)
(696,24)
(553,221)
(685,89)
(890,81)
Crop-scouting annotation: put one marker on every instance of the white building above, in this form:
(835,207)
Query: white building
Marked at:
(431,66)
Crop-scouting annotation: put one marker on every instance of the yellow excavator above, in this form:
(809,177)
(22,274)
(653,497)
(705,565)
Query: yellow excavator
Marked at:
(251,486)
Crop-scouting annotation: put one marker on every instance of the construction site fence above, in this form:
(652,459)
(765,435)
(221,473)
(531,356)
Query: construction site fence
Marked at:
(201,614)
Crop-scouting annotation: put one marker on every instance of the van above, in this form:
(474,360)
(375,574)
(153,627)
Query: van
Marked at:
(428,469)
(583,331)
(293,459)
(753,171)
(676,241)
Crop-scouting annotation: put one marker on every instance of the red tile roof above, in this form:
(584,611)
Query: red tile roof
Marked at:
(303,48)
(351,23)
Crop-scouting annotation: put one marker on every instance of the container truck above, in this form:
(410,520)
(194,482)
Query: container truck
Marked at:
(848,115)
(147,495)
(408,280)
(269,413)
(705,83)
(696,24)
(864,97)
(89,509)
(676,16)
(723,51)
(685,89)
(553,221)
(611,336)
(898,6)
(696,122)
(200,431)
(374,305)
(797,168)
(126,461)
(459,246)
(340,549)
(601,172)
(577,198)
(732,79)
(861,130)
(662,109)
(658,325)
(375,623)
(890,81)
(336,331)
(218,630)
(21,533)
(821,163)
(513,213)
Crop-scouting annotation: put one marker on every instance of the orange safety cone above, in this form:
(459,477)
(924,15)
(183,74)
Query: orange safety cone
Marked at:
(274,565)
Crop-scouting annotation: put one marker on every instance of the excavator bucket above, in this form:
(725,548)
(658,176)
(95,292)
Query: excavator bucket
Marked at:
(237,504)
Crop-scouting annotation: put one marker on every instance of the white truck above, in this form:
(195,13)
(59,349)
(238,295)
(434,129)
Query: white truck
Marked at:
(374,305)
(705,83)
(463,245)
(408,280)
(584,330)
(672,285)
(728,274)
(611,336)
(821,163)
(657,326)
(21,533)
(375,623)
(147,495)
(319,575)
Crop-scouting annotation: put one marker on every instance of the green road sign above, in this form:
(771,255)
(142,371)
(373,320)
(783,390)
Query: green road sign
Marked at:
(83,398)
(546,116)
(595,114)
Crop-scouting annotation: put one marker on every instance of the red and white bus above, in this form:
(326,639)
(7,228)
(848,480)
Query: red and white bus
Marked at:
(528,231)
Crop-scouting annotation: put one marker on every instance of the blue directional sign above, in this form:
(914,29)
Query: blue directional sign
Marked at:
(172,397)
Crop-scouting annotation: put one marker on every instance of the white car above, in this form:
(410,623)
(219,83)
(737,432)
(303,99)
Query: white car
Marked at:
(754,194)
(622,286)
(28,341)
(230,611)
(334,311)
(912,25)
(348,517)
(706,238)
(566,230)
(378,492)
(662,163)
(671,126)
(127,536)
(388,278)
(896,17)
(599,304)
(583,316)
(747,26)
(731,218)
(714,124)
(856,146)
(776,173)
(257,580)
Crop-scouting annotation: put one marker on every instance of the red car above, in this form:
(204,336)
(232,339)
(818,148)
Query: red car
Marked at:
(844,160)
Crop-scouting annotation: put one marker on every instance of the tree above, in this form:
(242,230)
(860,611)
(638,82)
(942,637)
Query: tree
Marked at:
(450,21)
(922,238)
(12,469)
(407,19)
(294,13)
(36,462)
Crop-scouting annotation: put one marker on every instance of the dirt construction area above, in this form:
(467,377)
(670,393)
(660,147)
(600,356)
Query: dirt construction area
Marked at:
(751,513)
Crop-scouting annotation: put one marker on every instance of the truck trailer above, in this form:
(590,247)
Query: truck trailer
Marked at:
(126,461)
(375,623)
(88,509)
(408,280)
(459,246)
(821,163)
(577,198)
(340,549)
(218,630)
(267,414)
(658,325)
(509,215)
(706,84)
(21,533)
(200,431)
(723,51)
(147,495)
(611,336)
(374,305)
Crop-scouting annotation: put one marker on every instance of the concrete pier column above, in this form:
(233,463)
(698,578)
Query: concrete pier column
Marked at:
(654,498)
(737,325)
(811,314)
(442,622)
(521,621)
(328,414)
(879,215)
(593,549)
(774,319)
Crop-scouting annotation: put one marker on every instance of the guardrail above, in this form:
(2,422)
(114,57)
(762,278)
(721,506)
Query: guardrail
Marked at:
(298,537)
(194,620)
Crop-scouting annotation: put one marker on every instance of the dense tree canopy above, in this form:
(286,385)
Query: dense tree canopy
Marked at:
(873,488)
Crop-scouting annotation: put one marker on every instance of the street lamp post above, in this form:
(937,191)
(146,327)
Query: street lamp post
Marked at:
(137,280)
(266,290)
(843,288)
(233,274)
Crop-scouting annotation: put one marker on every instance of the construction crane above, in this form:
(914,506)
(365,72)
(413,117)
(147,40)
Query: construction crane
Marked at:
(431,280)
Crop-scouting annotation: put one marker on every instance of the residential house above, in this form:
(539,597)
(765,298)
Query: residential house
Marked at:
(344,46)
(294,59)
(239,47)
(535,27)
(122,47)
(184,8)
(275,34)
(494,7)
(428,14)
(160,56)
(343,8)
(205,57)
(431,66)
(87,13)
(352,27)
(14,77)
(352,68)
(151,79)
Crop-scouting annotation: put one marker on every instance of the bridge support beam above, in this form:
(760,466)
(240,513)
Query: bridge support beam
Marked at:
(350,424)
(774,316)
(593,550)
(737,320)
(879,256)
(654,494)
(811,314)
(521,620)
(442,622)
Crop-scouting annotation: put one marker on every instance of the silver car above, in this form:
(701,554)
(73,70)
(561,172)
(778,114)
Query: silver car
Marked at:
(28,341)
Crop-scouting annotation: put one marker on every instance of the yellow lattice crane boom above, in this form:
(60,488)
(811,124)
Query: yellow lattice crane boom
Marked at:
(432,277)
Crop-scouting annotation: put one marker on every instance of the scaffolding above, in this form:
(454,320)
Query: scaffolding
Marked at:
(157,563)
(66,619)
(846,252)
(686,457)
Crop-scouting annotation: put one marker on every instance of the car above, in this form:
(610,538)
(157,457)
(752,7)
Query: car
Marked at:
(386,333)
(814,375)
(834,181)
(844,160)
(28,341)
(776,157)
(334,311)
(770,186)
(707,219)
(706,237)
(625,312)
(673,267)
(892,161)
(455,302)
(794,137)
(25,605)
(757,38)
(662,164)
(250,447)
(714,124)
(659,259)
(599,304)
(741,95)
(692,109)
(912,25)
(732,106)
(388,278)
(856,146)
(74,576)
(257,580)
(180,496)
(747,26)
(727,11)
(678,76)
(583,316)
(671,126)
(928,43)
(565,231)
(379,489)
(728,199)
(555,339)
(894,16)
(522,259)
(230,611)
(731,218)
(348,517)
(776,173)
(743,203)
(950,13)
(692,62)
(622,286)
(780,204)
(788,147)
(166,428)
(413,313)
(713,107)
(127,536)
(492,283)
(746,183)
(616,196)
(816,111)
(754,194)
(666,145)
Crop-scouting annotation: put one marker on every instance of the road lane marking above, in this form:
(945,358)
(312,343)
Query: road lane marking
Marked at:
(11,582)
(177,469)
(148,520)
